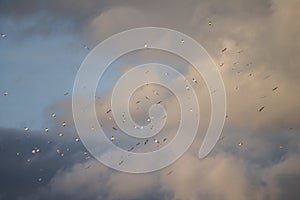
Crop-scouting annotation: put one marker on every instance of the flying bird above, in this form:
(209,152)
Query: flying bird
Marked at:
(86,47)
(108,111)
(131,149)
(3,35)
(170,172)
(223,50)
(146,142)
(275,88)
(261,109)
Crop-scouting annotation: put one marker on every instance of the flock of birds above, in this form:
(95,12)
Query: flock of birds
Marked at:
(37,150)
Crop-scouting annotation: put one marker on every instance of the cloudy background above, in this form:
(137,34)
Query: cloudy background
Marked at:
(258,155)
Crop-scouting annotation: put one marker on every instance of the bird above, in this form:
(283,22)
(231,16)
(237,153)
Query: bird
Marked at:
(275,88)
(120,163)
(261,109)
(131,149)
(146,141)
(170,172)
(223,50)
(3,35)
(86,47)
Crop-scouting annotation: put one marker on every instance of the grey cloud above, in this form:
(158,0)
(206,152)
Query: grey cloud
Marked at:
(20,169)
(260,169)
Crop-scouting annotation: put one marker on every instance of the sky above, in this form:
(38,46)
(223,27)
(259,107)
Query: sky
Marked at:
(257,157)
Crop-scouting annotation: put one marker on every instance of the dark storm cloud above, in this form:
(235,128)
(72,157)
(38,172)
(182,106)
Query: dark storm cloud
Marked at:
(20,170)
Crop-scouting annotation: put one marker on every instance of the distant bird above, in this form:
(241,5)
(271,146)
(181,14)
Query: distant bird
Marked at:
(3,35)
(221,65)
(146,141)
(214,91)
(88,167)
(131,149)
(223,50)
(86,47)
(261,109)
(170,172)
(112,138)
(221,138)
(275,88)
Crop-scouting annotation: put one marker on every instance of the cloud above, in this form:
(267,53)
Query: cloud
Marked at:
(261,39)
(22,169)
(221,177)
